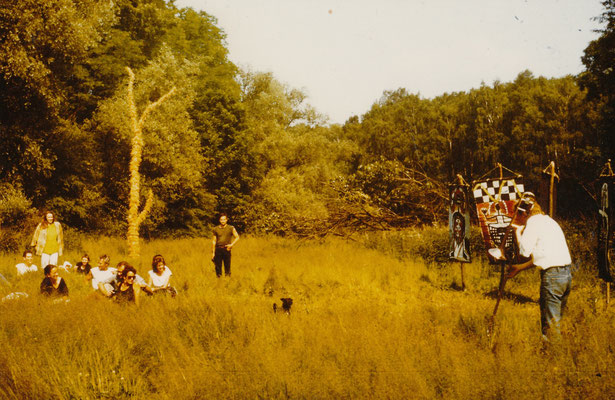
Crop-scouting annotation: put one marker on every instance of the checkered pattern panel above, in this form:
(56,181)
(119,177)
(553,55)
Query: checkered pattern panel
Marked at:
(496,190)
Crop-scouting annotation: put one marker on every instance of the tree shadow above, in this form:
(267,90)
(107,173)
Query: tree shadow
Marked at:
(457,287)
(514,297)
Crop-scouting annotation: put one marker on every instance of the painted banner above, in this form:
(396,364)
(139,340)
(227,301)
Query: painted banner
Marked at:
(606,269)
(459,223)
(495,200)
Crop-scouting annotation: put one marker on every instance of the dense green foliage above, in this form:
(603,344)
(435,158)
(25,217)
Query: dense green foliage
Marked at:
(246,144)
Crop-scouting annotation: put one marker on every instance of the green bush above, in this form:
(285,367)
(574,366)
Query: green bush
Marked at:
(16,215)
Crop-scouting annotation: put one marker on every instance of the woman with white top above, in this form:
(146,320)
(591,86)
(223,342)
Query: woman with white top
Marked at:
(160,277)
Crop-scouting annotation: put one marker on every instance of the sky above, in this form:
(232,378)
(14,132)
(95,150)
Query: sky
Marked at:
(345,53)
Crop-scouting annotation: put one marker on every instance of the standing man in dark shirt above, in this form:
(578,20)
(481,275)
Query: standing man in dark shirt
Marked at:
(225,237)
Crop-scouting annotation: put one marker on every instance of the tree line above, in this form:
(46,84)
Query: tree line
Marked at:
(242,142)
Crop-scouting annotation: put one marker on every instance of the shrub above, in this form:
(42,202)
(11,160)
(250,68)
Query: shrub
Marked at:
(16,216)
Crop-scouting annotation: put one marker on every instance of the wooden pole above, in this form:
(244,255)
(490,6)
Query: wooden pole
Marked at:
(550,170)
(463,282)
(607,171)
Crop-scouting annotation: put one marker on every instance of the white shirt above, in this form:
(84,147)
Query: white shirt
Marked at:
(160,280)
(22,268)
(544,240)
(106,276)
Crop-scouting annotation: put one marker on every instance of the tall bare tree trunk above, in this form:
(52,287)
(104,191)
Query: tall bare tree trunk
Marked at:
(135,218)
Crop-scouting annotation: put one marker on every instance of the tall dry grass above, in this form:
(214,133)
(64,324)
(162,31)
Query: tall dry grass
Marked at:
(364,324)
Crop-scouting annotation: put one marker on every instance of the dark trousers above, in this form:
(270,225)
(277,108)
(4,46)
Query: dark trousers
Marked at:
(222,255)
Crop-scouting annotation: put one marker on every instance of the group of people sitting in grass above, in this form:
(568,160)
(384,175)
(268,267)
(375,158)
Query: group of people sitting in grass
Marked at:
(121,283)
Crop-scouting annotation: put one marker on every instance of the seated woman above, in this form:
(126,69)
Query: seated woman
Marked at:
(83,266)
(53,285)
(127,290)
(160,277)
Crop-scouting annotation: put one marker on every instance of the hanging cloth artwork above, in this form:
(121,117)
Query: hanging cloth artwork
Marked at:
(606,256)
(495,201)
(459,221)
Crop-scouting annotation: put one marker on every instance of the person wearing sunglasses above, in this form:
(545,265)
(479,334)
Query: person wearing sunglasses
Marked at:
(127,291)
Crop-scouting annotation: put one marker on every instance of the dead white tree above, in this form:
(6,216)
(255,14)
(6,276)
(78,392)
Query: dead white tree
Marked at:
(135,218)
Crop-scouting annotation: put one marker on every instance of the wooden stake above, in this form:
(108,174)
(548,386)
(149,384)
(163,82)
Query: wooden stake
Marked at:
(463,283)
(607,171)
(551,171)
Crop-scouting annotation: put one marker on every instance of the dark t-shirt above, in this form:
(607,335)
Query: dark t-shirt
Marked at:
(126,296)
(48,289)
(83,268)
(224,235)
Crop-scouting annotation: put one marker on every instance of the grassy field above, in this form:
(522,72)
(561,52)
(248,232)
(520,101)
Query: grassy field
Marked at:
(364,324)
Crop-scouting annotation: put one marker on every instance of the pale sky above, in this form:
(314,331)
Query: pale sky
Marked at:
(345,53)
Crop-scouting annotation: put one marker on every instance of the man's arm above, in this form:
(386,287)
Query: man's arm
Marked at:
(514,269)
(213,246)
(103,289)
(235,239)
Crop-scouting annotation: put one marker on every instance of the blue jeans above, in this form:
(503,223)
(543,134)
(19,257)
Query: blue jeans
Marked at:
(555,285)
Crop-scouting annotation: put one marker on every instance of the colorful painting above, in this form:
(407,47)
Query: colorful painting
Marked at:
(495,201)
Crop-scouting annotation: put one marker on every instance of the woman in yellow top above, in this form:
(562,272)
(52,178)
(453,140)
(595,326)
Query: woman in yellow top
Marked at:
(48,240)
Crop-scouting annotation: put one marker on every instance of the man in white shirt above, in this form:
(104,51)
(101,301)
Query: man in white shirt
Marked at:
(543,240)
(27,264)
(103,274)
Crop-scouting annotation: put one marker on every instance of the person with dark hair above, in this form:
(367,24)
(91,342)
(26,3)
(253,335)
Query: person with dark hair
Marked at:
(83,266)
(53,285)
(48,240)
(542,239)
(127,290)
(27,264)
(160,277)
(108,289)
(224,238)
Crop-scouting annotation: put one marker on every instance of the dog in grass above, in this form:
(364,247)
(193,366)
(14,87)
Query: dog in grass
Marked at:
(287,302)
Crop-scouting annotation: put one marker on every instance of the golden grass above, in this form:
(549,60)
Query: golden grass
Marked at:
(363,325)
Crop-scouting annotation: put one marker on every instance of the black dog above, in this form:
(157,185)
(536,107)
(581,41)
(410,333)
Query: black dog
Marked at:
(287,302)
